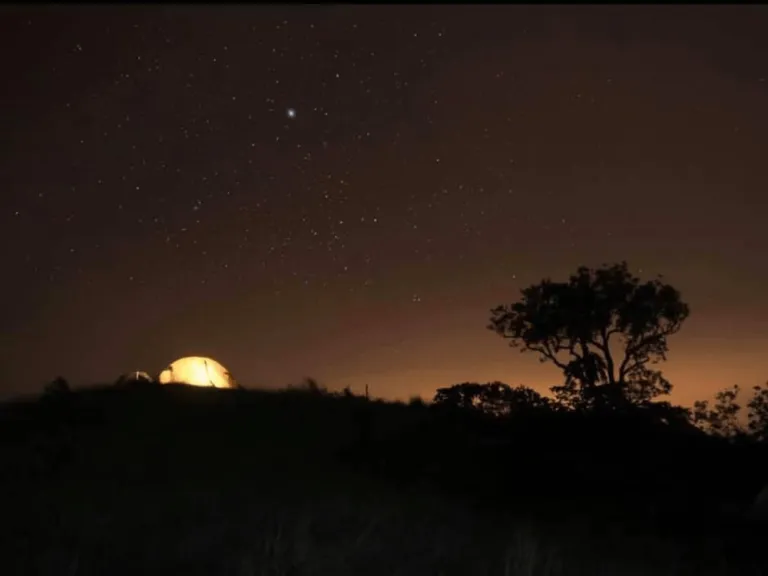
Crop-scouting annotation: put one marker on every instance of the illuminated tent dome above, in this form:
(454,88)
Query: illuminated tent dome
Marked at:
(197,371)
(137,377)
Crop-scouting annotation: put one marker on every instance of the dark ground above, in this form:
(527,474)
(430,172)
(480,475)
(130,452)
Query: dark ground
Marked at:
(178,480)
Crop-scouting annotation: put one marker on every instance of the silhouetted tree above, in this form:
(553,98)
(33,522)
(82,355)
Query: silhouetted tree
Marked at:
(725,418)
(757,413)
(465,395)
(416,402)
(493,398)
(721,419)
(603,328)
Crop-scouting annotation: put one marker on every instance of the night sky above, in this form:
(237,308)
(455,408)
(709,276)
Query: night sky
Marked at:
(345,192)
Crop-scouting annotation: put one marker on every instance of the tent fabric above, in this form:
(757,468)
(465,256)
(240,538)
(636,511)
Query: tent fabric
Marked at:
(197,371)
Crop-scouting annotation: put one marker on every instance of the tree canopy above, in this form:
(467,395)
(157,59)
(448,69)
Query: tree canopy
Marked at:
(604,328)
(493,398)
(725,417)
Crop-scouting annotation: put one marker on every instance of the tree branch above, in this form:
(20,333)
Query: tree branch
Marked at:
(546,350)
(606,350)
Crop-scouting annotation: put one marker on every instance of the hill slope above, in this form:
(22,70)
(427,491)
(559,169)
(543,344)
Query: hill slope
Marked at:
(174,479)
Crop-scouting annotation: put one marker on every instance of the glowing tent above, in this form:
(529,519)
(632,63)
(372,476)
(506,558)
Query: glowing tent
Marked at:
(197,371)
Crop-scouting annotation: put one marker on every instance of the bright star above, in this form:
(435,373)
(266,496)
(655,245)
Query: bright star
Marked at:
(291,113)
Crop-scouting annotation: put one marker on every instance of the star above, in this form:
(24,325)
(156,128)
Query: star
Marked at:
(291,113)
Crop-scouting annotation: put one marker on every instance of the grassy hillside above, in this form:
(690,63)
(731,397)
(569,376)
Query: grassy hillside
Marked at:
(179,480)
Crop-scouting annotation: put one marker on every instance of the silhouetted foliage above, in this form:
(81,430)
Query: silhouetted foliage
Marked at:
(416,402)
(493,398)
(757,415)
(725,417)
(676,417)
(721,418)
(312,386)
(124,453)
(57,387)
(581,326)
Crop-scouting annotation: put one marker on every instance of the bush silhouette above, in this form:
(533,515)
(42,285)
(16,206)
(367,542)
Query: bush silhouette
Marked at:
(493,399)
(57,387)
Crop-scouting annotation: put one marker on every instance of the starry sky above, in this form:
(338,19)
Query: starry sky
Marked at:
(344,192)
